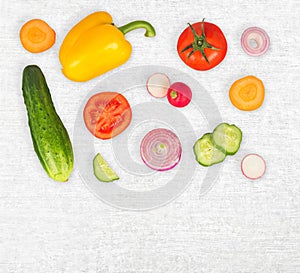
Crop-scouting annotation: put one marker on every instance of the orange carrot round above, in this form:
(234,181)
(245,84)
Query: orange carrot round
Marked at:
(247,93)
(37,36)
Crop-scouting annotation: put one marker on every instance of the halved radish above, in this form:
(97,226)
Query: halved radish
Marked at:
(179,94)
(253,166)
(158,85)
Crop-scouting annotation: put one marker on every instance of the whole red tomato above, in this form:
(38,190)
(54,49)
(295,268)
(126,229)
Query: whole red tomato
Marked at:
(202,46)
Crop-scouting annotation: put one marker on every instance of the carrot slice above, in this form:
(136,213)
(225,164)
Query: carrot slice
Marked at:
(247,93)
(37,36)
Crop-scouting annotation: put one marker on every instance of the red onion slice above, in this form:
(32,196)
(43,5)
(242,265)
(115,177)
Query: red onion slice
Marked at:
(255,41)
(161,149)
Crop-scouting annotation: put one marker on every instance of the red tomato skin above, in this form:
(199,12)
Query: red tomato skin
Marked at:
(214,36)
(107,114)
(184,94)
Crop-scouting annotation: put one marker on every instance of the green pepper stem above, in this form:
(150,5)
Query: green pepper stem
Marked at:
(150,31)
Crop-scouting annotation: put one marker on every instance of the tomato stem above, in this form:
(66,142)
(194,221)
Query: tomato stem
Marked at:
(202,28)
(193,30)
(200,43)
(191,53)
(186,48)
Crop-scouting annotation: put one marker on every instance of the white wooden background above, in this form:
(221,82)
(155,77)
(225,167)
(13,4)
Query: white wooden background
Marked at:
(239,226)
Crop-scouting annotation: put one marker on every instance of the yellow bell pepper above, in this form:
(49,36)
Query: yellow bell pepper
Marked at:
(95,45)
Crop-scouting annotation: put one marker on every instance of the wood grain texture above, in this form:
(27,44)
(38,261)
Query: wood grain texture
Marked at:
(239,226)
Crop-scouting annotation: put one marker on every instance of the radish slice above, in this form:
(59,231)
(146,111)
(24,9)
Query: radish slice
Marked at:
(255,41)
(158,85)
(161,149)
(253,166)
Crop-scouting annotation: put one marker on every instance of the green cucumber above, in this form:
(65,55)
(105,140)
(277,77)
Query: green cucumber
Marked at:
(227,138)
(102,170)
(49,136)
(206,152)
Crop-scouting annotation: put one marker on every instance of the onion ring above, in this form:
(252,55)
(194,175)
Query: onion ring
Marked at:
(255,41)
(161,149)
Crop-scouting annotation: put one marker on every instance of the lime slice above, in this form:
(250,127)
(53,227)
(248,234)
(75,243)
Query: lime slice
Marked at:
(102,170)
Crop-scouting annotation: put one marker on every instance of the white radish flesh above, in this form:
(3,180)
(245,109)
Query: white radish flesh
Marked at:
(158,85)
(253,166)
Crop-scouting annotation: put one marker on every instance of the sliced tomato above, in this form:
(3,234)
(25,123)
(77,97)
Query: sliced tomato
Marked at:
(107,114)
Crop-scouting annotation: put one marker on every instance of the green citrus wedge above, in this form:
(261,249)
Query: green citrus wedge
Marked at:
(102,170)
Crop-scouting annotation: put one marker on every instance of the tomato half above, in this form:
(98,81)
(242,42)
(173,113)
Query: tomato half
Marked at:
(107,114)
(202,46)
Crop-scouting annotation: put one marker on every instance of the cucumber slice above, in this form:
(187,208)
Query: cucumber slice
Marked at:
(227,138)
(102,170)
(206,152)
